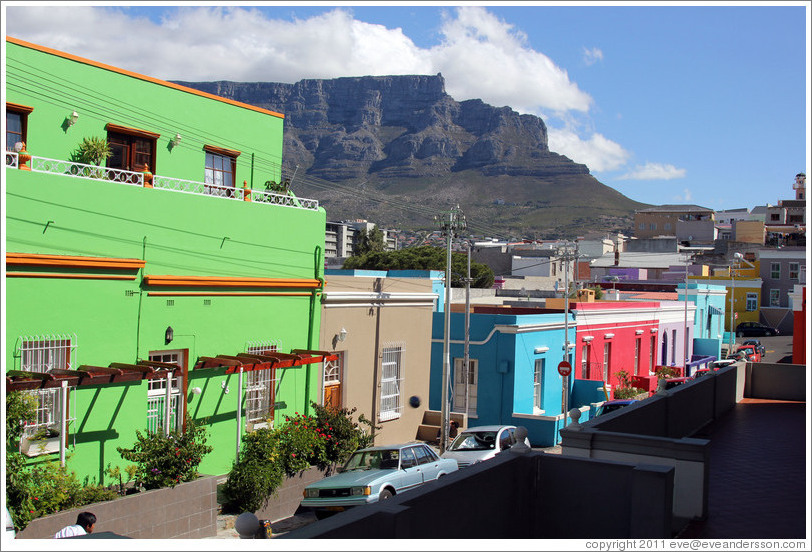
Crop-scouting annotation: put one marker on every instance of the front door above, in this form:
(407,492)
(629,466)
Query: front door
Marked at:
(333,370)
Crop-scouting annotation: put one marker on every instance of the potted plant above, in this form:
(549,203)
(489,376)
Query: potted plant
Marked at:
(93,150)
(45,440)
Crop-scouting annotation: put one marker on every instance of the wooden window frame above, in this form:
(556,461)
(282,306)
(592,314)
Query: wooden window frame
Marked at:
(135,133)
(23,111)
(230,155)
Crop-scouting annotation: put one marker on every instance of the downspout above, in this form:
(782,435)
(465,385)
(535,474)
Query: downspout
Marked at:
(311,329)
(63,424)
(140,299)
(252,170)
(239,411)
(168,402)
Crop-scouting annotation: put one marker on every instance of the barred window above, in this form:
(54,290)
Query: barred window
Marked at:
(42,354)
(156,395)
(391,403)
(538,383)
(260,389)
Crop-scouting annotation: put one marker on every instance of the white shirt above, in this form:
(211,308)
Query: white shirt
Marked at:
(70,531)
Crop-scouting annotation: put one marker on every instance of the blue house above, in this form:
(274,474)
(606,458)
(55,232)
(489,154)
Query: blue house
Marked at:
(709,321)
(512,377)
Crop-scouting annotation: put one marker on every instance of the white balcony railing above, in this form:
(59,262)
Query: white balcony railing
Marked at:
(80,170)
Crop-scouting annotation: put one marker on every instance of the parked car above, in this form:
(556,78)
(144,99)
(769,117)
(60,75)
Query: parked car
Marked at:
(376,473)
(755,329)
(477,444)
(716,364)
(700,372)
(757,344)
(614,404)
(752,351)
(670,383)
(10,533)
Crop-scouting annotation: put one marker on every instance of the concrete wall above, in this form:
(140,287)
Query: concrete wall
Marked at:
(188,511)
(784,382)
(288,496)
(540,496)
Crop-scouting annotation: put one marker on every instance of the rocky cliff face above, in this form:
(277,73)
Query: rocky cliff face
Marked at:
(388,131)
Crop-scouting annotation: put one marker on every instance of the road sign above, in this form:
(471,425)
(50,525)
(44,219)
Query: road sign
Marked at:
(564,368)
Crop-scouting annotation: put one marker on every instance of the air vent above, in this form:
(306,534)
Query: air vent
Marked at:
(170,302)
(207,302)
(129,292)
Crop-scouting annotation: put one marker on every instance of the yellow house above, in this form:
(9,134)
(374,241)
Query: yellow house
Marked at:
(745,285)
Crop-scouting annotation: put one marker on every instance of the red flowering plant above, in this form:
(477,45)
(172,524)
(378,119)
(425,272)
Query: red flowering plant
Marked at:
(167,460)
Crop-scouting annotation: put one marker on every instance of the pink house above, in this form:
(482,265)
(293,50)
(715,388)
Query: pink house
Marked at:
(614,336)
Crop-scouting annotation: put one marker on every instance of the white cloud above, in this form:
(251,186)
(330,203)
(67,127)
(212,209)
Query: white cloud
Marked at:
(592,56)
(597,152)
(653,171)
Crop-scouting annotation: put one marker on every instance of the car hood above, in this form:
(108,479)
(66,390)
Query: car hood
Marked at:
(353,478)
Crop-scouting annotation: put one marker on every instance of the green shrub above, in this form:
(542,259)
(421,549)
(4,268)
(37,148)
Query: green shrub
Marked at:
(666,372)
(625,390)
(256,475)
(166,460)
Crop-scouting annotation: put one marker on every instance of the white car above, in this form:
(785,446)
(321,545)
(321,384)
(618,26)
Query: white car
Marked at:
(476,444)
(9,525)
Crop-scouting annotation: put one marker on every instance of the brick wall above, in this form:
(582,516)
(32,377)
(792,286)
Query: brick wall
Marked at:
(188,511)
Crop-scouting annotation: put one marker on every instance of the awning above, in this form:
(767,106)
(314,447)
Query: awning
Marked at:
(21,380)
(714,310)
(250,362)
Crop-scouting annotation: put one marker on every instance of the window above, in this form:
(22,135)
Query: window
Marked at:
(607,358)
(794,270)
(642,226)
(774,216)
(653,359)
(43,354)
(775,297)
(133,149)
(221,166)
(585,361)
(260,387)
(16,124)
(156,395)
(775,271)
(673,347)
(538,383)
(465,385)
(391,380)
(667,226)
(796,219)
(752,302)
(637,356)
(408,459)
(652,226)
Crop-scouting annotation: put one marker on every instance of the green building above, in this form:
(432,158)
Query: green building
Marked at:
(177,272)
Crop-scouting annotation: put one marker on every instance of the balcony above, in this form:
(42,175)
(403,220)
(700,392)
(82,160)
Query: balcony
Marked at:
(22,160)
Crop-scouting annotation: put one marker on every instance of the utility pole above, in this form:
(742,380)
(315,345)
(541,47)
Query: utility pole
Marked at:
(565,379)
(685,327)
(467,356)
(450,222)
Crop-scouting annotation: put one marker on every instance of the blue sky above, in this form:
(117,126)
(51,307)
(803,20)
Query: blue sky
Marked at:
(667,104)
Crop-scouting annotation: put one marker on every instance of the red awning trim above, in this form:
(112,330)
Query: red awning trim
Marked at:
(19,380)
(326,355)
(265,361)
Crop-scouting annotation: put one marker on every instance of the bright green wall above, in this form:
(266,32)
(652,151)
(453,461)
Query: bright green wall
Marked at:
(56,87)
(174,233)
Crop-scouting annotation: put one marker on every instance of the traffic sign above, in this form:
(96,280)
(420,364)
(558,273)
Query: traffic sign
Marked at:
(564,368)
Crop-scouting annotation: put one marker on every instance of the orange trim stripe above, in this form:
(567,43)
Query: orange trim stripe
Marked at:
(228,294)
(63,275)
(139,76)
(36,259)
(225,281)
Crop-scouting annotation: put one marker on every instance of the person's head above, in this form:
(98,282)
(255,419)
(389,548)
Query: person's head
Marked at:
(86,520)
(454,424)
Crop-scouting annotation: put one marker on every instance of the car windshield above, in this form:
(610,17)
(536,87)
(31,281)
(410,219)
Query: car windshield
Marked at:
(611,407)
(479,440)
(373,459)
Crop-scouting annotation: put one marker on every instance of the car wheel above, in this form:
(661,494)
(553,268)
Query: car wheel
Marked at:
(385,494)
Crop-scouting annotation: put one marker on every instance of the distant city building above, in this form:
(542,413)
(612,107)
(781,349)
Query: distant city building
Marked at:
(662,221)
(340,238)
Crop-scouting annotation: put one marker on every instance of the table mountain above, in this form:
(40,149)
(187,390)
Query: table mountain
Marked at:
(397,149)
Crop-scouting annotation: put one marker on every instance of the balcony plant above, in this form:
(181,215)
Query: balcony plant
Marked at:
(93,150)
(625,389)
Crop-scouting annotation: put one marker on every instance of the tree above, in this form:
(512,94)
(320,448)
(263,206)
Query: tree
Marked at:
(367,242)
(424,257)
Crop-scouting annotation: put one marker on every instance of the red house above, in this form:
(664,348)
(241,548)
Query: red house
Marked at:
(614,336)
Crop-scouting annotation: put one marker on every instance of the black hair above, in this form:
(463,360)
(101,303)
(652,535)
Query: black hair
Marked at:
(85,519)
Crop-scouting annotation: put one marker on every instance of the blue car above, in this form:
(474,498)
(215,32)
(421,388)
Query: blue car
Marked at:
(376,473)
(615,404)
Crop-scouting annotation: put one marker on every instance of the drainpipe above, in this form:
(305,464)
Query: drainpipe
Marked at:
(239,410)
(63,424)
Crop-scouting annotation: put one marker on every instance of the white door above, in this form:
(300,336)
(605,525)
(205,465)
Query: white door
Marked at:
(460,387)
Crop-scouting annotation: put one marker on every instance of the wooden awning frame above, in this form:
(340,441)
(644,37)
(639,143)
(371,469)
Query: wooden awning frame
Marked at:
(21,380)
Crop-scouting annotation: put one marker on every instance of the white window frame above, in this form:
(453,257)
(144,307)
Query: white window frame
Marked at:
(459,386)
(653,354)
(607,358)
(156,394)
(585,361)
(259,385)
(751,302)
(41,354)
(539,368)
(775,271)
(637,342)
(390,404)
(775,297)
(794,271)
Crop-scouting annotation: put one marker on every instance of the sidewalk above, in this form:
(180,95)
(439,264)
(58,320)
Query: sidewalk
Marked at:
(225,525)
